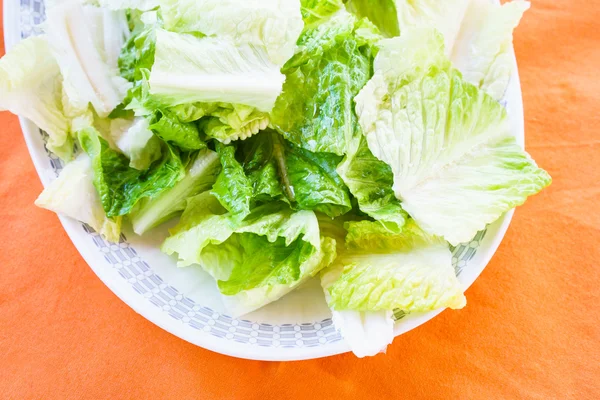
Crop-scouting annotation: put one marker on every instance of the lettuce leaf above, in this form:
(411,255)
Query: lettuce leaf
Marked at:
(189,69)
(266,168)
(315,110)
(200,175)
(407,270)
(86,42)
(272,24)
(143,5)
(31,87)
(136,141)
(120,187)
(73,194)
(273,251)
(483,50)
(455,162)
(380,12)
(169,128)
(315,11)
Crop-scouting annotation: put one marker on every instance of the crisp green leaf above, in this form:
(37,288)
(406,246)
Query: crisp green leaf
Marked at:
(138,51)
(31,86)
(120,186)
(266,168)
(370,181)
(135,140)
(315,11)
(380,12)
(73,194)
(169,128)
(455,162)
(200,175)
(315,110)
(272,24)
(273,251)
(408,270)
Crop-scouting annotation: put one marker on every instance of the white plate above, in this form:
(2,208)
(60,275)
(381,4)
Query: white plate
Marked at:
(186,302)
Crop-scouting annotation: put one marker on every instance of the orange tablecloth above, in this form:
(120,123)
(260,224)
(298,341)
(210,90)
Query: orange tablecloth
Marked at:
(531,329)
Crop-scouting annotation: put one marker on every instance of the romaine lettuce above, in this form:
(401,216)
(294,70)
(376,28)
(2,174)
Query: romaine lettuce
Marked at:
(273,251)
(455,162)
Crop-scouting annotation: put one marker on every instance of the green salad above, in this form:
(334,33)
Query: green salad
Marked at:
(354,141)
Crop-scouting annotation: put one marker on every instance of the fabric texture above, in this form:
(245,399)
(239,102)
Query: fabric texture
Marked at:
(530,330)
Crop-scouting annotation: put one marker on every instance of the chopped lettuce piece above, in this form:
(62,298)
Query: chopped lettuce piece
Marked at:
(199,177)
(445,16)
(169,128)
(273,251)
(86,42)
(73,194)
(315,110)
(455,162)
(315,11)
(272,24)
(189,69)
(120,186)
(266,168)
(370,181)
(380,12)
(137,54)
(135,140)
(31,86)
(408,270)
(366,332)
(483,50)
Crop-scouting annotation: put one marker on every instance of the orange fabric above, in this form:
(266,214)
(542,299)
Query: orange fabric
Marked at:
(530,330)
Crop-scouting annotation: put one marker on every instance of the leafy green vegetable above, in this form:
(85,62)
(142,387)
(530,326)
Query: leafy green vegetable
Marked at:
(266,168)
(73,194)
(169,128)
(120,186)
(370,182)
(315,110)
(483,49)
(315,11)
(200,175)
(135,140)
(380,12)
(86,42)
(138,52)
(274,25)
(456,165)
(143,5)
(31,86)
(269,254)
(408,270)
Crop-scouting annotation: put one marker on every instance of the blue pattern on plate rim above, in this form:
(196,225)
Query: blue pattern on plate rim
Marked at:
(144,281)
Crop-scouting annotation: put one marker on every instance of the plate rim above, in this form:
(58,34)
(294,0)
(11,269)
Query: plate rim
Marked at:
(12,35)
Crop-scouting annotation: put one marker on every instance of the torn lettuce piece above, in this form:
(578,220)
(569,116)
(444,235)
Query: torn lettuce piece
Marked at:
(136,141)
(408,269)
(200,175)
(73,194)
(315,110)
(370,181)
(483,50)
(477,36)
(445,16)
(169,128)
(120,187)
(189,69)
(367,333)
(272,252)
(456,165)
(315,11)
(266,168)
(86,42)
(31,87)
(272,24)
(137,54)
(382,13)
